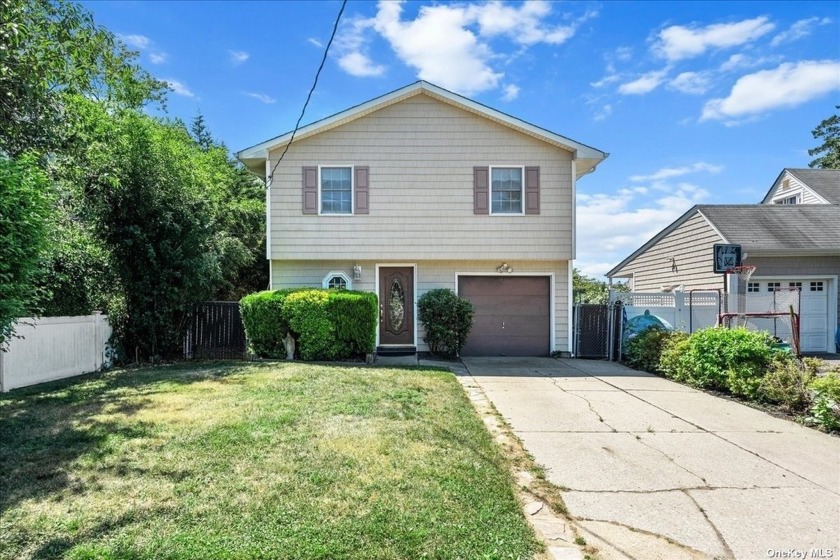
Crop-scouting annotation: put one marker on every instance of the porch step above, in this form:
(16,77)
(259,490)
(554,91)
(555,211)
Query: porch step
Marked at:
(396,350)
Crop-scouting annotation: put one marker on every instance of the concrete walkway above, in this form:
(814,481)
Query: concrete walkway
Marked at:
(653,469)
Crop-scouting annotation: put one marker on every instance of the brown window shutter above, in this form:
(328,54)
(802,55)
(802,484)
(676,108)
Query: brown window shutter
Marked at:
(532,190)
(361,194)
(310,190)
(481,190)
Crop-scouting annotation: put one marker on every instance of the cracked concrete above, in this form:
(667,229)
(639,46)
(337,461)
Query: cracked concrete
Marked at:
(654,469)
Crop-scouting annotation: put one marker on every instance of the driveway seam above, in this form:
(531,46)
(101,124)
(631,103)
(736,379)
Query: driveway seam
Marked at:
(711,524)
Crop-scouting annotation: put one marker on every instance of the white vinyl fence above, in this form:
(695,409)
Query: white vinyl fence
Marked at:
(54,348)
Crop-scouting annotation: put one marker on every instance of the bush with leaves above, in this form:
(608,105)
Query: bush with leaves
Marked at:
(825,410)
(447,320)
(786,384)
(672,359)
(644,350)
(265,324)
(24,238)
(731,360)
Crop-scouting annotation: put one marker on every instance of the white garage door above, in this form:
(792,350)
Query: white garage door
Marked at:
(813,308)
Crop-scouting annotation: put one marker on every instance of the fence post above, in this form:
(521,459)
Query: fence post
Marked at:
(679,311)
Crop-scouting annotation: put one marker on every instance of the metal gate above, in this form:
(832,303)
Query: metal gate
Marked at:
(214,330)
(597,330)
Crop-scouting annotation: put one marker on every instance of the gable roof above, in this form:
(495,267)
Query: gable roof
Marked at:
(587,157)
(810,229)
(824,182)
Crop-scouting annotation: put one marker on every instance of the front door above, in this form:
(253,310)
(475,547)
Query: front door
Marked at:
(396,305)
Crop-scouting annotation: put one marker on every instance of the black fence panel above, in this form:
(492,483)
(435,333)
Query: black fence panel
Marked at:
(214,330)
(591,330)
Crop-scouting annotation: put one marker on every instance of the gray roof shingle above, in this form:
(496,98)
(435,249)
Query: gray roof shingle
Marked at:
(824,182)
(808,227)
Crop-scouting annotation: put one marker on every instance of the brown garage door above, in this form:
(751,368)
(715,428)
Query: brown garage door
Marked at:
(512,315)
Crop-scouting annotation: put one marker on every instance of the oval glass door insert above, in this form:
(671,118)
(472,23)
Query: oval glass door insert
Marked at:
(396,302)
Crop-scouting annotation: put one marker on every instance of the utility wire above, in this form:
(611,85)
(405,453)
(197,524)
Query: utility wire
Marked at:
(311,91)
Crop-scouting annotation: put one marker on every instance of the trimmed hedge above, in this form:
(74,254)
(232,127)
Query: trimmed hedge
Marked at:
(326,324)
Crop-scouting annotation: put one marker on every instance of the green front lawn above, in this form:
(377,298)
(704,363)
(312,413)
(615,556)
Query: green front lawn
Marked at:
(254,461)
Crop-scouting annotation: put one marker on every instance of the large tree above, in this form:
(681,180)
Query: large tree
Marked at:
(52,48)
(591,290)
(829,151)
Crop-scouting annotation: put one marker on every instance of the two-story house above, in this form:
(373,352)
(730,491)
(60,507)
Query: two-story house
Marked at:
(792,238)
(422,188)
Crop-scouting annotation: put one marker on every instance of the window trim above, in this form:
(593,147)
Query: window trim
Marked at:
(786,200)
(352,169)
(325,283)
(522,201)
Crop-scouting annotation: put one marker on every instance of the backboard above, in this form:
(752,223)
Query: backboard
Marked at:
(725,257)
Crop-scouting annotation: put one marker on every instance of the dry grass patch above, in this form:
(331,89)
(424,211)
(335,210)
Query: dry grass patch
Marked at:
(254,461)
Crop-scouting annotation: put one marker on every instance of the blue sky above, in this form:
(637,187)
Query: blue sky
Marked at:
(696,102)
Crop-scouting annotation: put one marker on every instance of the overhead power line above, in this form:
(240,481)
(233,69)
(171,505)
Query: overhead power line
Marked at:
(311,91)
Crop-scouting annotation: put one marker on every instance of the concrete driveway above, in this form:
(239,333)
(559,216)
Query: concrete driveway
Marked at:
(654,469)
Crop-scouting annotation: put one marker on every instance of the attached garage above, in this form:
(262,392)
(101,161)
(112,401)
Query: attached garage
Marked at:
(512,315)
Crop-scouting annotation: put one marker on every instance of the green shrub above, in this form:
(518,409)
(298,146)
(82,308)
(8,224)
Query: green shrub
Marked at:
(825,410)
(733,360)
(326,324)
(353,315)
(447,320)
(645,349)
(265,324)
(813,365)
(786,384)
(672,361)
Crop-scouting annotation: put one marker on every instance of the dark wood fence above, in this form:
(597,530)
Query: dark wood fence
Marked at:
(214,330)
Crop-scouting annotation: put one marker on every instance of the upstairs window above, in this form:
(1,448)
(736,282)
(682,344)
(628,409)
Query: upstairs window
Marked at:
(506,190)
(336,190)
(787,200)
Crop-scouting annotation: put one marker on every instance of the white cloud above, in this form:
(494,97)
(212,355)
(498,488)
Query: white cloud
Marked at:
(449,44)
(179,88)
(644,84)
(315,42)
(523,25)
(358,64)
(679,42)
(158,57)
(788,85)
(604,112)
(696,83)
(798,30)
(139,42)
(238,57)
(260,96)
(741,61)
(671,172)
(511,92)
(621,54)
(619,223)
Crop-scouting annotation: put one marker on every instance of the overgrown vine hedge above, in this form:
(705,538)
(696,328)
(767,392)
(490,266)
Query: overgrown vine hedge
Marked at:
(326,324)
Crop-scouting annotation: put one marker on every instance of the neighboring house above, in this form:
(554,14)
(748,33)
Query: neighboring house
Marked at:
(792,237)
(421,189)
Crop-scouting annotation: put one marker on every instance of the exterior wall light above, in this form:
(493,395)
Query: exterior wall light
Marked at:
(505,267)
(357,272)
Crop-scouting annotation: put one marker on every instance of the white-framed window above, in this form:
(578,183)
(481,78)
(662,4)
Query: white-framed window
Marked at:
(773,286)
(787,200)
(795,285)
(337,281)
(507,187)
(753,287)
(335,186)
(817,286)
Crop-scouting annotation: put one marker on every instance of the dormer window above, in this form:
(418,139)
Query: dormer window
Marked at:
(787,200)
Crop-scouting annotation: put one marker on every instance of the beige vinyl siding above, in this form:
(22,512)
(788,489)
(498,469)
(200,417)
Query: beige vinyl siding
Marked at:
(795,188)
(690,245)
(799,266)
(430,275)
(421,153)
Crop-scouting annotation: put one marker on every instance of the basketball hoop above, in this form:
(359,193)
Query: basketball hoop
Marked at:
(744,272)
